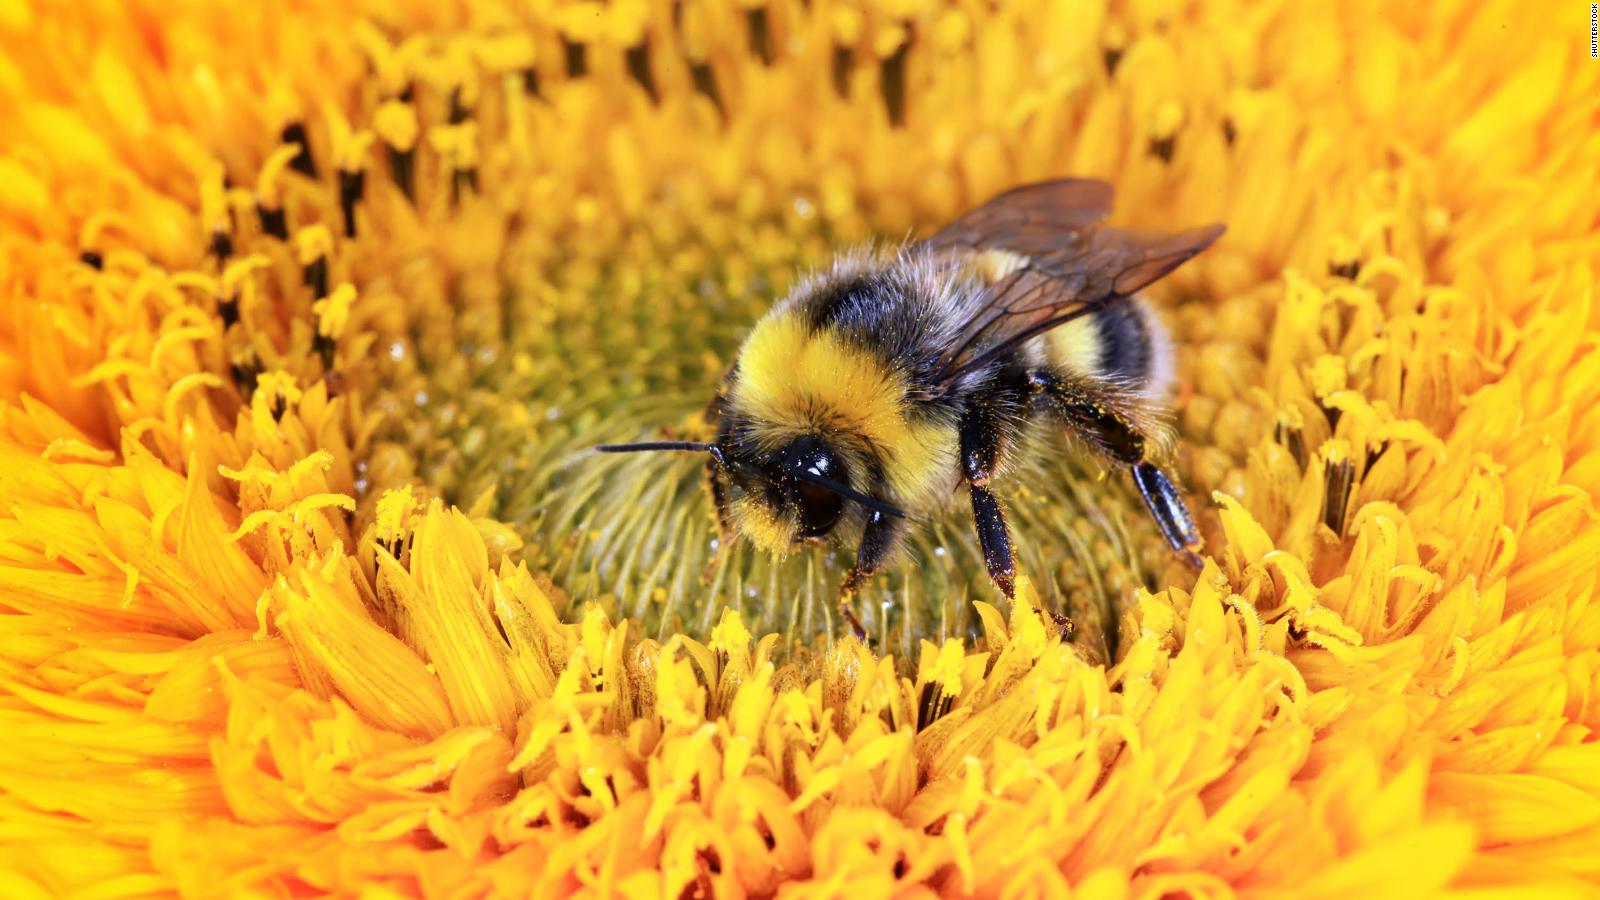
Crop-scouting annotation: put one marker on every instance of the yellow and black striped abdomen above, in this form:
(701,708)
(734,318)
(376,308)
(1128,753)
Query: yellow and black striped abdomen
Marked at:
(1124,343)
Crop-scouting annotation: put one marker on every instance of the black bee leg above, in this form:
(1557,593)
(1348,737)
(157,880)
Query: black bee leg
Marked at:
(876,542)
(1118,438)
(725,532)
(719,497)
(980,451)
(714,482)
(1166,506)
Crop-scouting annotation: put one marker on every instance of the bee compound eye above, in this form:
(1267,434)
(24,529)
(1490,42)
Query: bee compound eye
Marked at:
(820,508)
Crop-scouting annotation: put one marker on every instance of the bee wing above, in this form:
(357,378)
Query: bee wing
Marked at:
(1048,262)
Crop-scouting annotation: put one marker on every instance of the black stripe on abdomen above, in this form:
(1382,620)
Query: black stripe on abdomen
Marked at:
(1125,344)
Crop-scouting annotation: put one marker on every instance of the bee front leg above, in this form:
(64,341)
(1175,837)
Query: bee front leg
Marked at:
(714,484)
(876,542)
(981,437)
(725,532)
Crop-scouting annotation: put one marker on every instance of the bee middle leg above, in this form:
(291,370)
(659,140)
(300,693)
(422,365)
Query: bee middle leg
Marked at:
(981,440)
(1117,437)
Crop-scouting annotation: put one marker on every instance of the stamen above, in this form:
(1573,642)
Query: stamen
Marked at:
(1373,454)
(395,123)
(638,59)
(577,58)
(246,373)
(351,187)
(315,276)
(943,684)
(1338,478)
(274,222)
(228,311)
(294,133)
(843,64)
(1164,128)
(312,246)
(1113,47)
(1344,260)
(760,34)
(705,81)
(462,178)
(892,80)
(1293,439)
(332,314)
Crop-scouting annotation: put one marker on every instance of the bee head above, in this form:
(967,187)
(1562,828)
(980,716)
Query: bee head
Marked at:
(794,493)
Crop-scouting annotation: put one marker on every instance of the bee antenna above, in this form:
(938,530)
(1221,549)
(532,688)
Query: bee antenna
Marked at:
(872,503)
(650,446)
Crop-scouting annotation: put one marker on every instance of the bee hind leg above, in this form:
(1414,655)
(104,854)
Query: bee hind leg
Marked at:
(1116,436)
(1166,506)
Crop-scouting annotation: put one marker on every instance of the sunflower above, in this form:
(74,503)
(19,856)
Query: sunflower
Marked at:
(309,586)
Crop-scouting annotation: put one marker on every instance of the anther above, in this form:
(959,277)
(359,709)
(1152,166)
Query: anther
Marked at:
(273,221)
(245,375)
(1338,478)
(458,109)
(638,59)
(295,133)
(892,75)
(1114,46)
(1164,128)
(760,34)
(1294,441)
(315,276)
(1344,260)
(351,187)
(843,63)
(705,81)
(463,179)
(577,58)
(1111,56)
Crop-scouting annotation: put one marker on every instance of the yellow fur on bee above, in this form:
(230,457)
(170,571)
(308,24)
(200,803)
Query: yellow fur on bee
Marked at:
(756,521)
(1075,346)
(994,265)
(799,381)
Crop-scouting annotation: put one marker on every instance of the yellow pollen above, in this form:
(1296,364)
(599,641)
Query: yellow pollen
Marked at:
(333,311)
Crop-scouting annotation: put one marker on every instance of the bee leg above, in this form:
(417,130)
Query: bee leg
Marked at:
(876,542)
(714,483)
(1166,506)
(725,532)
(1117,437)
(980,451)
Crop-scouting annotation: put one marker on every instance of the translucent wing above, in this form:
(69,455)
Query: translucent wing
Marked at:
(1048,261)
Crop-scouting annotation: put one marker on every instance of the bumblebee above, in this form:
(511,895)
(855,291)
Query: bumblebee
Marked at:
(878,389)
